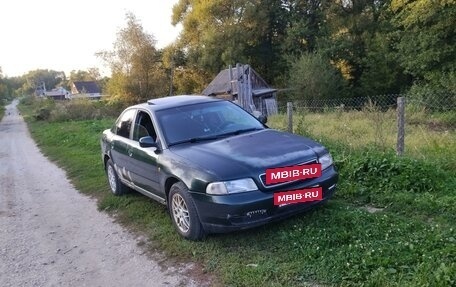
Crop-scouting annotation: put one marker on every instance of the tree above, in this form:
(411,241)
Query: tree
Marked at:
(304,25)
(382,74)
(218,33)
(3,88)
(37,81)
(351,26)
(92,74)
(9,87)
(137,71)
(426,38)
(312,77)
(186,78)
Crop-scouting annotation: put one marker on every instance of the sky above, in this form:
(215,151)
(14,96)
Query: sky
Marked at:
(64,35)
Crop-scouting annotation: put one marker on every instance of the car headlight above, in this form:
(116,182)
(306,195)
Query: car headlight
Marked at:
(232,186)
(326,160)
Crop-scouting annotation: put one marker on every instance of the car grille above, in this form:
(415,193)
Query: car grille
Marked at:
(263,177)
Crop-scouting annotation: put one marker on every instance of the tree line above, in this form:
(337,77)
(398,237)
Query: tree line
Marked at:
(313,48)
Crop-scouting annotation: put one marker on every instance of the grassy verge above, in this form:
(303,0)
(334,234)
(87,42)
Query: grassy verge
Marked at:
(411,242)
(2,112)
(428,136)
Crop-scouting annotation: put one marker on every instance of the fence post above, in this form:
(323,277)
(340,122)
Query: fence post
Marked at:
(290,116)
(400,125)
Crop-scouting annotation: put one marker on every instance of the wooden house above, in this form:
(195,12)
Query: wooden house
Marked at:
(244,86)
(85,89)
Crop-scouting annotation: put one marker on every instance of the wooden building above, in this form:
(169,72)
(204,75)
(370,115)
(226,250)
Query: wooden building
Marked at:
(244,86)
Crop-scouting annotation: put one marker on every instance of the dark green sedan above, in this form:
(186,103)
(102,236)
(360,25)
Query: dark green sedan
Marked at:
(215,166)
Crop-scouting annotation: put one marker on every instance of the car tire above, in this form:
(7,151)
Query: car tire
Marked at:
(183,213)
(115,184)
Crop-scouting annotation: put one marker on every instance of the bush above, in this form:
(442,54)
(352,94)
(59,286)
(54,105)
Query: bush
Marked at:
(387,173)
(43,109)
(312,77)
(434,96)
(84,109)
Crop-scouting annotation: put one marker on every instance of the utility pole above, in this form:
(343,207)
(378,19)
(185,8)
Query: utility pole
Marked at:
(172,77)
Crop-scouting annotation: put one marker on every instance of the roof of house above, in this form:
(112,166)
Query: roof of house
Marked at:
(87,87)
(221,83)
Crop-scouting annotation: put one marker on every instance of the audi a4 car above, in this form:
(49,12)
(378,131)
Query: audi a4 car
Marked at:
(214,165)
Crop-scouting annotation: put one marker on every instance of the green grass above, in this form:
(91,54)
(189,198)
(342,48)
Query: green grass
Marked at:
(411,242)
(2,112)
(428,136)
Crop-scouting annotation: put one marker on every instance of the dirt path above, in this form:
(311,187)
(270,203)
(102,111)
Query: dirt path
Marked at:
(50,235)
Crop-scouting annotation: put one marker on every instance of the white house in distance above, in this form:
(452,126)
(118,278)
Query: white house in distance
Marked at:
(58,94)
(85,89)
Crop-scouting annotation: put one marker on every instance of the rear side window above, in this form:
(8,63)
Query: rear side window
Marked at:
(124,123)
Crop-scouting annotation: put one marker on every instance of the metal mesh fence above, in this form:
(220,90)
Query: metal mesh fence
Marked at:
(430,121)
(430,103)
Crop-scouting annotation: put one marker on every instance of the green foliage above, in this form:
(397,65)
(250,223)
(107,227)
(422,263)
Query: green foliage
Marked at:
(35,81)
(38,108)
(92,74)
(435,96)
(312,77)
(7,88)
(408,186)
(137,72)
(305,25)
(350,27)
(382,73)
(388,173)
(81,109)
(426,37)
(221,33)
(189,81)
(84,109)
(379,47)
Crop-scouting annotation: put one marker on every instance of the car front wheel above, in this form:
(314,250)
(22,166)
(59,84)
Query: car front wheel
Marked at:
(183,213)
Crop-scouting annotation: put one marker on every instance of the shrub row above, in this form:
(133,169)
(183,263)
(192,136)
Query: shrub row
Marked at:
(80,109)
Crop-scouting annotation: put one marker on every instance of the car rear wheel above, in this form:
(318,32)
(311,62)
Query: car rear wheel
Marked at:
(183,213)
(115,184)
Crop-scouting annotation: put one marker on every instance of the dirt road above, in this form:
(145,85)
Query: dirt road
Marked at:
(50,235)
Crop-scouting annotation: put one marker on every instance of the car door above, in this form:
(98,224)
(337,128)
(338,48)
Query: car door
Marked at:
(121,143)
(144,161)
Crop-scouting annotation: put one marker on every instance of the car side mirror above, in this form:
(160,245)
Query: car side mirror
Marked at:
(147,141)
(263,119)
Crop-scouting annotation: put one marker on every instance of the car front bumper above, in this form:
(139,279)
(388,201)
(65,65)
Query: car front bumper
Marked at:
(225,213)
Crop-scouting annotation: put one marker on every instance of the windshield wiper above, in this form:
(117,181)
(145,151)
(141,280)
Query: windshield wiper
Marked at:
(194,140)
(214,137)
(241,131)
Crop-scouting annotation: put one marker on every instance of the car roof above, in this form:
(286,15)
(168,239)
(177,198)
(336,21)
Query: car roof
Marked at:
(175,101)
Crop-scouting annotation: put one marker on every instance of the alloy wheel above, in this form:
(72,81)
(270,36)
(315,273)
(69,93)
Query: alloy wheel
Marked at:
(180,213)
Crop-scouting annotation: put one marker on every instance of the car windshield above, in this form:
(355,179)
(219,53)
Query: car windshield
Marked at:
(205,121)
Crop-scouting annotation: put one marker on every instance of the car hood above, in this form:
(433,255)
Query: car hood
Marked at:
(248,155)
